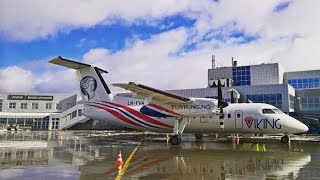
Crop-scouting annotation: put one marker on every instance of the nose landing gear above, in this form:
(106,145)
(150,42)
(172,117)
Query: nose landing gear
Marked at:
(178,129)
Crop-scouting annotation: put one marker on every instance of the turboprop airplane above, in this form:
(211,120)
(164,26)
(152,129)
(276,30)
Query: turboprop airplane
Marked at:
(160,111)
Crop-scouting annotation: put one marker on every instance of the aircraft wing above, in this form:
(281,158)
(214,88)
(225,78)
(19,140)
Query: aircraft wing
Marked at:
(155,94)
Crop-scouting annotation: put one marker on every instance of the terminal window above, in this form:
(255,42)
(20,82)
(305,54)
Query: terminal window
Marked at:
(12,105)
(310,103)
(241,76)
(74,114)
(7,155)
(69,105)
(58,106)
(23,105)
(35,105)
(305,83)
(48,105)
(19,154)
(30,154)
(273,99)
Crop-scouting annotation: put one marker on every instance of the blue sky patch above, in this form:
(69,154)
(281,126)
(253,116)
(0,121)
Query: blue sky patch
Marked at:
(79,41)
(281,6)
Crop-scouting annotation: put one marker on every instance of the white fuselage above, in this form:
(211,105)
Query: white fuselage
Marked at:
(238,118)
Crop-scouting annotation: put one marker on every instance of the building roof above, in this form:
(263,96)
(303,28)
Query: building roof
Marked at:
(23,115)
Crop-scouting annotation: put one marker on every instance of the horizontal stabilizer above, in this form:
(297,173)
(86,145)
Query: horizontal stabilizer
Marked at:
(72,64)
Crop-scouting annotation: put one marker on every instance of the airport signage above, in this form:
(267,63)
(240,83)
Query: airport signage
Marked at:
(30,97)
(16,97)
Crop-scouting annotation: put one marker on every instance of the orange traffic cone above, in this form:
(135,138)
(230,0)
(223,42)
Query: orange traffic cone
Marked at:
(119,169)
(119,161)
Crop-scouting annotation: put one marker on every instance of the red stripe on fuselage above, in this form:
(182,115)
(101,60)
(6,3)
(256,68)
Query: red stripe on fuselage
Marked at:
(118,115)
(163,109)
(140,115)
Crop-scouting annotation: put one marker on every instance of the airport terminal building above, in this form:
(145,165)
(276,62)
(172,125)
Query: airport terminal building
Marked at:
(34,111)
(296,93)
(42,111)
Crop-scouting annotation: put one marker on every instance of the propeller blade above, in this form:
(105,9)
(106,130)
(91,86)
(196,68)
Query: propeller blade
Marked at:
(219,93)
(232,98)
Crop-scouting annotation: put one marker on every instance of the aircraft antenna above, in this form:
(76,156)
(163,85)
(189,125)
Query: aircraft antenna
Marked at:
(213,61)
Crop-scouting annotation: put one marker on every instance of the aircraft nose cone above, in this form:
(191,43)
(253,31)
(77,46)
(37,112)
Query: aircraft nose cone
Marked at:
(304,128)
(301,128)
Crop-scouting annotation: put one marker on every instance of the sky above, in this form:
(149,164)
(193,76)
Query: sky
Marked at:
(165,44)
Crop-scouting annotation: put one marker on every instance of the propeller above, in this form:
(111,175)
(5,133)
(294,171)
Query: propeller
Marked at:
(232,98)
(221,105)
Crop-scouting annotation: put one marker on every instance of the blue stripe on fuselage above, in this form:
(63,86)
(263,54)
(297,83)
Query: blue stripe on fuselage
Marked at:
(150,112)
(127,115)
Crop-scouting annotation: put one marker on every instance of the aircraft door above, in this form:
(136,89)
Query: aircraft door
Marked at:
(238,119)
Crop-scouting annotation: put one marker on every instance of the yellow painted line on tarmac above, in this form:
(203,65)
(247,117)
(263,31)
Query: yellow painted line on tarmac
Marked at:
(126,164)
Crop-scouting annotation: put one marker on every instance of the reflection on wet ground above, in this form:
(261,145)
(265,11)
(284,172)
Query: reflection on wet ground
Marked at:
(92,155)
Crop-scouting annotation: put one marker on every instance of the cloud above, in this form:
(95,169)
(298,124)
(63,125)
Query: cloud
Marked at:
(15,79)
(29,20)
(176,58)
(153,62)
(86,42)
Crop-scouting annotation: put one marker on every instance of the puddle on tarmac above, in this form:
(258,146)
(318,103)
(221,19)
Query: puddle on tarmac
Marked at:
(92,155)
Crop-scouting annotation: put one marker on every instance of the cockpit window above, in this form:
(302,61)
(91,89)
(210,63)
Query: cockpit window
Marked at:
(268,111)
(278,111)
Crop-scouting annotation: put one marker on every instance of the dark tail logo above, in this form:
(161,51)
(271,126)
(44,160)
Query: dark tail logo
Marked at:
(88,86)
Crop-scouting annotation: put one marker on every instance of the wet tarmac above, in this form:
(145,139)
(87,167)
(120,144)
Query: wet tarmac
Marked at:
(93,155)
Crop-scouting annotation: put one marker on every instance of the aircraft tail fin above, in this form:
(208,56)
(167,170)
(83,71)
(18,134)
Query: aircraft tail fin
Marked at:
(92,85)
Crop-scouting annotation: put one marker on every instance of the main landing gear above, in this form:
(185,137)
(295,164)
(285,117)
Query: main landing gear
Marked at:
(175,140)
(178,129)
(285,139)
(198,136)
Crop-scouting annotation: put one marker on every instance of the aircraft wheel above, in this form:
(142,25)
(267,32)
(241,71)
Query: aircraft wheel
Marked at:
(175,140)
(285,139)
(198,136)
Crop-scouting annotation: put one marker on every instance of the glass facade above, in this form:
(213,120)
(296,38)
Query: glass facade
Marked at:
(241,76)
(305,83)
(310,103)
(273,99)
(291,99)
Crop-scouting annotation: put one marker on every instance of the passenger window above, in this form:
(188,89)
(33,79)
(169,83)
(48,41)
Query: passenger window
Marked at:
(229,115)
(238,115)
(268,111)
